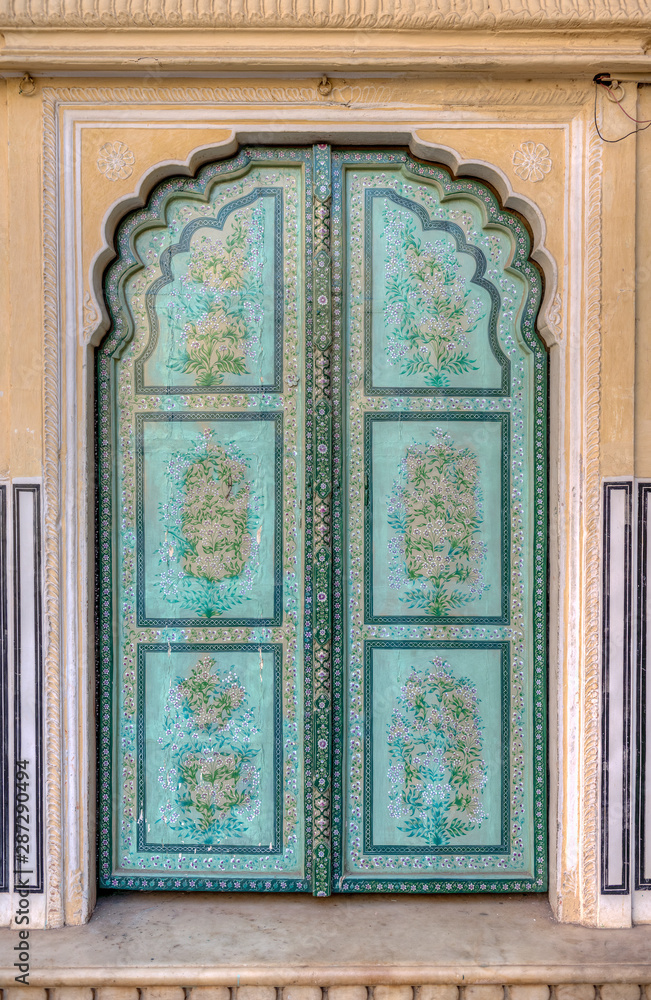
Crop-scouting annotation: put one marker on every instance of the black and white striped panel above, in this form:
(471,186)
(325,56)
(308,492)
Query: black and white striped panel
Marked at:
(642,838)
(28,674)
(616,687)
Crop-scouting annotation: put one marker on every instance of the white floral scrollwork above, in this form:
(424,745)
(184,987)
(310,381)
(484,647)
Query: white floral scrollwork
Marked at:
(555,317)
(92,317)
(532,161)
(115,161)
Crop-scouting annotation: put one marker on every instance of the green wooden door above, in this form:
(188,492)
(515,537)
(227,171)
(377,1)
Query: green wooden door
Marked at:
(322,469)
(440,713)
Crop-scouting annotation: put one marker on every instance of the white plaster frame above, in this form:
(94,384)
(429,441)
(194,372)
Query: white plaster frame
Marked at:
(571,328)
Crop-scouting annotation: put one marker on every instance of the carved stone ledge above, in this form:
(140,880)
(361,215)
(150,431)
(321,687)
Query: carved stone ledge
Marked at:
(525,48)
(333,13)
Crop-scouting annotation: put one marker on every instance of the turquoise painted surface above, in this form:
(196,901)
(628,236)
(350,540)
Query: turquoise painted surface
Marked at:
(208,741)
(212,310)
(210,518)
(443,653)
(430,321)
(428,566)
(436,747)
(436,518)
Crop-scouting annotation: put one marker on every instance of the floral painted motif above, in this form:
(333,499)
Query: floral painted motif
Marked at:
(532,161)
(208,730)
(429,310)
(435,510)
(209,524)
(436,771)
(224,295)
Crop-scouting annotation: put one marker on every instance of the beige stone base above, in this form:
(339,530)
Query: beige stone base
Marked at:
(426,991)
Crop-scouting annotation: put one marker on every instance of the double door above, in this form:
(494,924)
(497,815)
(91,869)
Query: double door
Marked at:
(322,533)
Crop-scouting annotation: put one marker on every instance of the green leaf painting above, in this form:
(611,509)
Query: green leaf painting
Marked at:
(435,509)
(429,309)
(209,551)
(436,771)
(218,326)
(207,733)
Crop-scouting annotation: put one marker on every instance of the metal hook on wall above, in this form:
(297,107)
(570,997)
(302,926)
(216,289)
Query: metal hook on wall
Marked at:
(615,92)
(27,86)
(324,86)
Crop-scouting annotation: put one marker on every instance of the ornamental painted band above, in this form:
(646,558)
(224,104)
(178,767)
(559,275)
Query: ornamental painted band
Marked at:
(323,533)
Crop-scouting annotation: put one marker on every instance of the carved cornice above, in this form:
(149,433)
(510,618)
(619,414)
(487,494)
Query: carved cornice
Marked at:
(343,94)
(522,49)
(411,14)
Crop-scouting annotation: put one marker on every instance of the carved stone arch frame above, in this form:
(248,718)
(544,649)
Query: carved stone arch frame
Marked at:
(75,253)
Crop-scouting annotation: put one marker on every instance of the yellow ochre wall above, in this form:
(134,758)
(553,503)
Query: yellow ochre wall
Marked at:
(625,417)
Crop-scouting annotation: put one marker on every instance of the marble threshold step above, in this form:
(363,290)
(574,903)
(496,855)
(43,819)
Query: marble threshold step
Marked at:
(275,947)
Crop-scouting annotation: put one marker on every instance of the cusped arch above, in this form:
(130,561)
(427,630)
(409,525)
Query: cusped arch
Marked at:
(185,470)
(459,167)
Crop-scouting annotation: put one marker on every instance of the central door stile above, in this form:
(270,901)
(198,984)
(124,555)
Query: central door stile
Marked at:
(320,499)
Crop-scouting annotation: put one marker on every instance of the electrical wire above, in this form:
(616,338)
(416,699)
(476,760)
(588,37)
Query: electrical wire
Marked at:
(620,102)
(634,131)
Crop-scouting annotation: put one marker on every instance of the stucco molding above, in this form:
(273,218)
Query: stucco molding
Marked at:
(590,685)
(414,14)
(95,318)
(52,525)
(343,95)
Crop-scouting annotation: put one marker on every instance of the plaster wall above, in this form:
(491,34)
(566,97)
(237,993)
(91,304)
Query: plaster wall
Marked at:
(643,295)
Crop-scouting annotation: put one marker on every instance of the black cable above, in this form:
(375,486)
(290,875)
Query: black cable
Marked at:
(596,125)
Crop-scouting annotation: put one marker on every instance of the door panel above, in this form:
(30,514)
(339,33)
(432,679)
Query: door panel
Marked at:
(439,664)
(430,313)
(201,400)
(435,522)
